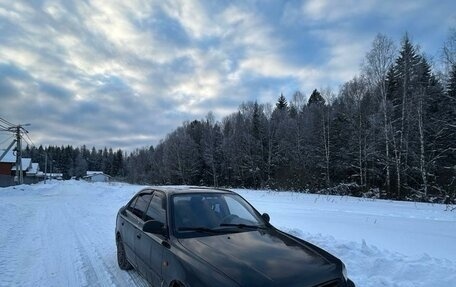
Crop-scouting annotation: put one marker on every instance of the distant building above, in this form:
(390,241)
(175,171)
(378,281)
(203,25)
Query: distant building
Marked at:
(26,165)
(8,172)
(7,163)
(97,176)
(33,170)
(52,175)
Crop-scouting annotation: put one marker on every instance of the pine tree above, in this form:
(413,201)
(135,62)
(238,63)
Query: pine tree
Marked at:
(316,99)
(402,79)
(117,163)
(319,117)
(80,166)
(282,103)
(445,128)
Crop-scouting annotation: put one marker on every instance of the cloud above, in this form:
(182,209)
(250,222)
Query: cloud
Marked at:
(126,73)
(195,18)
(330,11)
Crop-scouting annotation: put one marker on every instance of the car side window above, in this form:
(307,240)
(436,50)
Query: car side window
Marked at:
(157,208)
(131,206)
(139,206)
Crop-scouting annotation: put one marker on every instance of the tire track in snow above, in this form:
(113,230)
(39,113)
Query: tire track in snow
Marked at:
(60,238)
(22,234)
(61,261)
(98,256)
(96,271)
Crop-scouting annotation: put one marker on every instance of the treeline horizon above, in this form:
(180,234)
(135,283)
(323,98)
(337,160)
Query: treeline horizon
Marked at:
(390,132)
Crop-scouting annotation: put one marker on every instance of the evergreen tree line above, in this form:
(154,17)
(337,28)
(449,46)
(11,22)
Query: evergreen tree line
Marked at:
(389,132)
(75,162)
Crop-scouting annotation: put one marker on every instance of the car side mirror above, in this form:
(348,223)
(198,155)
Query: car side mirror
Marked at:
(123,210)
(153,226)
(266,217)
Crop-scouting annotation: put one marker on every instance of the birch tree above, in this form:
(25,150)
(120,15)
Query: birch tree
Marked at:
(400,89)
(376,65)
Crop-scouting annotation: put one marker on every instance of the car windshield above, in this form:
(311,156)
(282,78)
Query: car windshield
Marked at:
(212,213)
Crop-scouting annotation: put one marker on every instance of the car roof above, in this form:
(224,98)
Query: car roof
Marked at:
(170,190)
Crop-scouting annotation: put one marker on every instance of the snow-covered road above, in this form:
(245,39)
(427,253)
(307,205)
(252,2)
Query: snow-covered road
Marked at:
(62,234)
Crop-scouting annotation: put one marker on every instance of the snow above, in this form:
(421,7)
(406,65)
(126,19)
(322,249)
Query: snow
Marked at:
(26,163)
(382,243)
(34,169)
(62,234)
(89,173)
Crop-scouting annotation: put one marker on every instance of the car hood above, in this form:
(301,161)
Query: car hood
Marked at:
(265,258)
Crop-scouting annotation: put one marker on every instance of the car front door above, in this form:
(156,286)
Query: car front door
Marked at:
(132,225)
(149,248)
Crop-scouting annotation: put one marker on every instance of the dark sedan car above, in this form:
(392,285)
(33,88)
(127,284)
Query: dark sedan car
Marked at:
(211,237)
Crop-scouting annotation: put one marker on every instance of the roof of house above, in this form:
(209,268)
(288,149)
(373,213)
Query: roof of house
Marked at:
(90,173)
(9,157)
(34,168)
(97,174)
(26,162)
(48,174)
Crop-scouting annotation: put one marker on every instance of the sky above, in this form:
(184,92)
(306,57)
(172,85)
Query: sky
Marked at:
(124,74)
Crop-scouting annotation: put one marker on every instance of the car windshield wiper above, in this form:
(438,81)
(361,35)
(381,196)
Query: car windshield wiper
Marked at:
(199,229)
(241,225)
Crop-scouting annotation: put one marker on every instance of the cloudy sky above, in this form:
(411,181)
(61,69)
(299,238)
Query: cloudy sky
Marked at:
(123,74)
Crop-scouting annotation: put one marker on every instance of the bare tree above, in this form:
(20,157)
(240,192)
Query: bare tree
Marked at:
(376,66)
(329,97)
(298,100)
(449,50)
(353,93)
(211,146)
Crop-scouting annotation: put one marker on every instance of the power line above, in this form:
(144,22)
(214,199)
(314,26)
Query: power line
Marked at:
(3,126)
(8,139)
(27,141)
(6,122)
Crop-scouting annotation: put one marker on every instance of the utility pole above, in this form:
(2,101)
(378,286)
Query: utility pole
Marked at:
(19,156)
(45,167)
(17,130)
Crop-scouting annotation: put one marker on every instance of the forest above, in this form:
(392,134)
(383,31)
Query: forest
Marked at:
(390,132)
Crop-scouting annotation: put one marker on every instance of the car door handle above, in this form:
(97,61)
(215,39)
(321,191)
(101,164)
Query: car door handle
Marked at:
(138,235)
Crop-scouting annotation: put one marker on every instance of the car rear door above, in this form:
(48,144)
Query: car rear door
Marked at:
(132,225)
(149,247)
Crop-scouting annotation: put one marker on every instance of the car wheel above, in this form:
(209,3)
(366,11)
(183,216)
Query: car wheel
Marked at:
(121,258)
(177,284)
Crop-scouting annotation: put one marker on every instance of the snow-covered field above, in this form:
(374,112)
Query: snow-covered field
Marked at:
(62,234)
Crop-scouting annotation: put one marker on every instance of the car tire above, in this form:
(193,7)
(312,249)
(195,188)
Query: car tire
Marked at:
(177,284)
(121,258)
